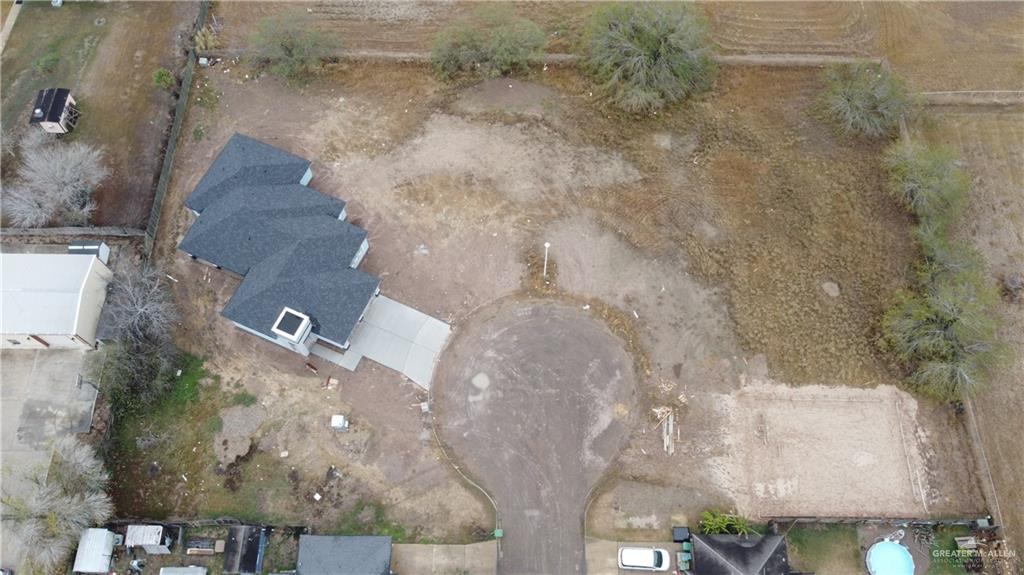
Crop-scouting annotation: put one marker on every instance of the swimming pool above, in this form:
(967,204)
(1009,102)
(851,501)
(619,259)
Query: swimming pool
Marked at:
(889,558)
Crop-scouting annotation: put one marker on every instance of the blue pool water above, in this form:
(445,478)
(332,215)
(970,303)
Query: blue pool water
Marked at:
(889,558)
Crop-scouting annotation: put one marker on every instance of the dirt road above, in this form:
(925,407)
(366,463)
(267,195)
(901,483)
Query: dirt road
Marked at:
(534,398)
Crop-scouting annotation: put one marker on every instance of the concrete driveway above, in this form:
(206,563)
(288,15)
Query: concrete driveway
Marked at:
(40,402)
(396,336)
(473,559)
(534,398)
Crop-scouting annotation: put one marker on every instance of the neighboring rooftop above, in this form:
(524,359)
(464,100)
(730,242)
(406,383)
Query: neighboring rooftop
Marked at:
(740,555)
(246,162)
(42,292)
(243,550)
(344,555)
(49,106)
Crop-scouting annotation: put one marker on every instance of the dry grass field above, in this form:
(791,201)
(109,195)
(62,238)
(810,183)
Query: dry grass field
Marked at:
(991,143)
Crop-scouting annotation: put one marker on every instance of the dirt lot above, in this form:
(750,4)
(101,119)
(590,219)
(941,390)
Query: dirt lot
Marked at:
(107,55)
(992,144)
(714,232)
(863,442)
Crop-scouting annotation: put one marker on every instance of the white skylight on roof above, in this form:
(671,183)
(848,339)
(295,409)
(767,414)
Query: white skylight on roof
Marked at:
(291,324)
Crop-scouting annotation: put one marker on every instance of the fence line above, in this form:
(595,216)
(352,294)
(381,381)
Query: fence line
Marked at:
(180,110)
(87,231)
(870,520)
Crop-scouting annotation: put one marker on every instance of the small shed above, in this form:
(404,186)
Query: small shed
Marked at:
(190,570)
(244,549)
(54,111)
(344,555)
(95,552)
(153,539)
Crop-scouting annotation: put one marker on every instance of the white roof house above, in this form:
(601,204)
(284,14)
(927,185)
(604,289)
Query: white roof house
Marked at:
(190,570)
(149,537)
(95,551)
(51,300)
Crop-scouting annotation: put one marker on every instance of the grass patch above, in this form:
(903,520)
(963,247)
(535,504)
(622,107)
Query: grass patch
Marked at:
(370,518)
(244,398)
(825,548)
(173,469)
(48,48)
(945,541)
(206,96)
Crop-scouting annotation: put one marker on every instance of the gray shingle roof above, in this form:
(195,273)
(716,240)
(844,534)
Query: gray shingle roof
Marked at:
(344,555)
(736,555)
(285,238)
(249,223)
(311,276)
(246,162)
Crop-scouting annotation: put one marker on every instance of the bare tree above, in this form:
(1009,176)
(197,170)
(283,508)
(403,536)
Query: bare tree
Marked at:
(55,182)
(26,209)
(44,524)
(67,172)
(141,305)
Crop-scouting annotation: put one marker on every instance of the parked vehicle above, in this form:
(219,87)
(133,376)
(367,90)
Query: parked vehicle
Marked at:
(644,559)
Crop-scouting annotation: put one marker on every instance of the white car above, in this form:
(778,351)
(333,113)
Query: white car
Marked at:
(644,559)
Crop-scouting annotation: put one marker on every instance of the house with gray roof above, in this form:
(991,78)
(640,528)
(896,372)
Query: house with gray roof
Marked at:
(257,219)
(344,555)
(740,555)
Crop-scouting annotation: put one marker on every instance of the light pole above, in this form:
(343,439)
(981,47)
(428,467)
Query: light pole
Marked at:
(546,246)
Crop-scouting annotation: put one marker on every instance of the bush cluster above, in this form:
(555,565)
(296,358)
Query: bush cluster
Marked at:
(291,46)
(714,522)
(865,99)
(645,57)
(946,331)
(496,43)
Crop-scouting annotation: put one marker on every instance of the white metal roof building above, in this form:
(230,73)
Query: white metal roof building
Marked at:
(95,551)
(51,300)
(149,537)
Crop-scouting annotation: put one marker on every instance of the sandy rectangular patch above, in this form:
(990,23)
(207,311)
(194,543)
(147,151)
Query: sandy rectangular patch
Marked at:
(824,451)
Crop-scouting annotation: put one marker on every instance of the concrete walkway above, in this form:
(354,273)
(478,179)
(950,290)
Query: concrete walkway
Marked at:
(8,24)
(474,559)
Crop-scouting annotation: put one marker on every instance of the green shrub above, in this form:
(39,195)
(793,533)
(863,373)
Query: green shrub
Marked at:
(290,45)
(495,44)
(942,254)
(47,62)
(244,398)
(926,179)
(865,99)
(948,334)
(714,522)
(645,57)
(164,79)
